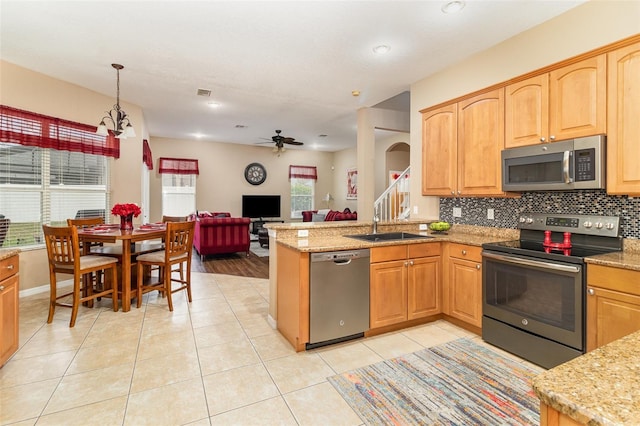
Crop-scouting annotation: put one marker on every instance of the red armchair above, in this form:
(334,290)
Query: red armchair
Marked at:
(217,233)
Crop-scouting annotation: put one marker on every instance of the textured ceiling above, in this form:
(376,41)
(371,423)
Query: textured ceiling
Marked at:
(289,65)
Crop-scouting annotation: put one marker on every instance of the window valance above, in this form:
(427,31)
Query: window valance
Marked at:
(31,129)
(303,172)
(178,166)
(147,158)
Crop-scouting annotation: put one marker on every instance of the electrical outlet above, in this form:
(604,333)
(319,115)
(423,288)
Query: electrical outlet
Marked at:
(422,227)
(303,233)
(490,214)
(415,209)
(457,212)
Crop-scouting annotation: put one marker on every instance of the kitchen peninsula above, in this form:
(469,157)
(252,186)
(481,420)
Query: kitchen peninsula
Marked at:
(454,273)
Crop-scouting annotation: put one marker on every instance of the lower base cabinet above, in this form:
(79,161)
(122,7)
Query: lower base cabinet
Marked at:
(463,281)
(9,289)
(613,304)
(405,283)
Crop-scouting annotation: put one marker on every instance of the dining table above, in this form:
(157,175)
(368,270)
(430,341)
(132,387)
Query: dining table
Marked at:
(111,233)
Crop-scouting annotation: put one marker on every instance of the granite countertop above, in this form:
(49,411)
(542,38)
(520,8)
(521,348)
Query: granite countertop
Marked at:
(463,234)
(7,253)
(628,258)
(601,387)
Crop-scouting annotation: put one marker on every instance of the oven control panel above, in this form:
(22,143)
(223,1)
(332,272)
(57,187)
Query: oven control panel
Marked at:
(608,226)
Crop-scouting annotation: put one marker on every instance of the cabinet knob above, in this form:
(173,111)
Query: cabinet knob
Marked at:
(464,252)
(543,139)
(552,138)
(1,287)
(591,292)
(453,192)
(458,192)
(406,263)
(10,267)
(478,267)
(411,263)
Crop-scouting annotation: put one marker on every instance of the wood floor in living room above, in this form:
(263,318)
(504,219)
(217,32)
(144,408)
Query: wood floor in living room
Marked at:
(232,264)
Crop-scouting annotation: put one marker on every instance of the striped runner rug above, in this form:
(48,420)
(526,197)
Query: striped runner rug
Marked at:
(456,383)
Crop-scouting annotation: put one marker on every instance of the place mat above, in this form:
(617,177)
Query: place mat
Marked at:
(456,383)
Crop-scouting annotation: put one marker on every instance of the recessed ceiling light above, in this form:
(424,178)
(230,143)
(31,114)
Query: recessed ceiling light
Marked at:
(213,104)
(453,6)
(198,135)
(381,49)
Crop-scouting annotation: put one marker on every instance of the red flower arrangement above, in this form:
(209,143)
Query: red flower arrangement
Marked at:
(126,209)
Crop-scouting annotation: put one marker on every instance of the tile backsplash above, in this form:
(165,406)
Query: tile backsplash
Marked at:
(507,210)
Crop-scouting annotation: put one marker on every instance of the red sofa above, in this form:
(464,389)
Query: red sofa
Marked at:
(217,233)
(332,215)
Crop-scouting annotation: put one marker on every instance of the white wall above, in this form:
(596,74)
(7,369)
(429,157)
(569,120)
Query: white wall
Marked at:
(343,160)
(586,27)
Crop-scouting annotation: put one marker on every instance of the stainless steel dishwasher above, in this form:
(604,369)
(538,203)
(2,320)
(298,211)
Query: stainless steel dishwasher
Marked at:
(338,296)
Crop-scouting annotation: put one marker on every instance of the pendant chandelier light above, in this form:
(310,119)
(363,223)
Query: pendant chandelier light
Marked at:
(121,126)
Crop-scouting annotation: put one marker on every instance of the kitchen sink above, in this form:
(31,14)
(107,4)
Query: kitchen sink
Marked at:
(388,236)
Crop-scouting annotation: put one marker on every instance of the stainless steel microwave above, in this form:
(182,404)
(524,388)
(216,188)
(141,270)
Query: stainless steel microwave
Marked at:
(565,165)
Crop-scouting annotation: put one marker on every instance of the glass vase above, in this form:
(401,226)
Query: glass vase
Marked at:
(126,222)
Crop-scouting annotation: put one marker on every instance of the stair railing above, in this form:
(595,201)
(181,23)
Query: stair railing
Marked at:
(394,204)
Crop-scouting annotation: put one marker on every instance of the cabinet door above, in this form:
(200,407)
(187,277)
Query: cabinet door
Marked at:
(623,135)
(439,151)
(610,316)
(423,287)
(527,112)
(465,287)
(8,318)
(577,99)
(388,298)
(480,141)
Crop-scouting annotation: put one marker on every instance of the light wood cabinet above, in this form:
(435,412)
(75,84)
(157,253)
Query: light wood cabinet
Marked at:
(440,151)
(463,283)
(461,147)
(623,134)
(613,304)
(551,417)
(9,289)
(565,103)
(405,283)
(293,295)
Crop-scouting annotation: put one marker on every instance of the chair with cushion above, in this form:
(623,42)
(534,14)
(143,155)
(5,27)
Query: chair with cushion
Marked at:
(65,257)
(85,246)
(177,251)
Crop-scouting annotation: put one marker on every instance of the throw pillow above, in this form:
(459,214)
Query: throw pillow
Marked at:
(316,217)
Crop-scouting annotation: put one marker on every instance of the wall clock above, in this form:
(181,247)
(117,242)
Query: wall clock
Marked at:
(255,173)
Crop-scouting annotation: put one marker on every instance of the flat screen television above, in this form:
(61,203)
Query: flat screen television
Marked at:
(259,206)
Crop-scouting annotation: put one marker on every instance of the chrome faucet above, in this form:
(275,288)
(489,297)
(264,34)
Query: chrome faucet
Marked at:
(376,219)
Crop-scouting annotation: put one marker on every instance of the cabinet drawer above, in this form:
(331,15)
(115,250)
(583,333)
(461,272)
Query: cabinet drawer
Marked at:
(386,254)
(424,250)
(624,280)
(462,251)
(8,267)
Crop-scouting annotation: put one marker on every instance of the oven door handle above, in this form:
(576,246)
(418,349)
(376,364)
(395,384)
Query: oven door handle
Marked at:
(532,263)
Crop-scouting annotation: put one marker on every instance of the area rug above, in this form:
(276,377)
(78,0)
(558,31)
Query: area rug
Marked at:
(456,383)
(255,248)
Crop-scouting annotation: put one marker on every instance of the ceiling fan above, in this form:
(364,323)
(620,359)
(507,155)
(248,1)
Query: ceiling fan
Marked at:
(280,141)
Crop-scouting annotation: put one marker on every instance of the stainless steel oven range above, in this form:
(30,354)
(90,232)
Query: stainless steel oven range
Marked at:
(533,300)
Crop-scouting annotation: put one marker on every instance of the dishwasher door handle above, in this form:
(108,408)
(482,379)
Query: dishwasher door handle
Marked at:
(342,262)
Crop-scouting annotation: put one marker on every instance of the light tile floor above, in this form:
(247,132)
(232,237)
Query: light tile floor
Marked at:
(215,361)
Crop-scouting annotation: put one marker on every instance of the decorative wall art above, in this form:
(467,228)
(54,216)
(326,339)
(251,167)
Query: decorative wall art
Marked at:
(352,183)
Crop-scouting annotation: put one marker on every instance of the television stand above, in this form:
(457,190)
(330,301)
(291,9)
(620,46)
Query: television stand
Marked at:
(258,224)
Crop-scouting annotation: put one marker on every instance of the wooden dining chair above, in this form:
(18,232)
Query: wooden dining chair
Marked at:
(166,219)
(177,251)
(85,246)
(65,257)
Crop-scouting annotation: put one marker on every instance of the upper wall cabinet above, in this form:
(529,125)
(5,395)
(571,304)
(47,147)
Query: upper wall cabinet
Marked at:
(461,147)
(623,135)
(563,104)
(440,151)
